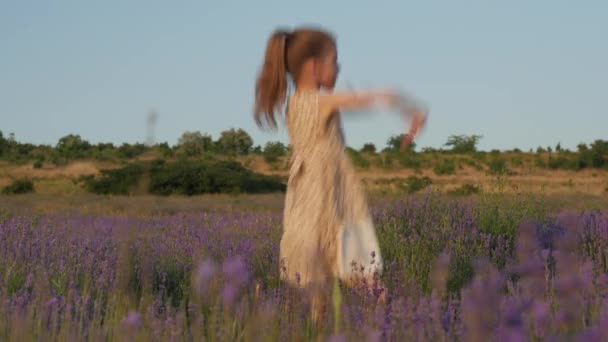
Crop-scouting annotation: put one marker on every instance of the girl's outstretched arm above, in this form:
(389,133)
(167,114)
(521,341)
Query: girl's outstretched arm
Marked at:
(335,102)
(357,100)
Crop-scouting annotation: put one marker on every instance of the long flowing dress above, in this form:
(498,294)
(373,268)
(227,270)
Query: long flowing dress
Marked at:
(327,229)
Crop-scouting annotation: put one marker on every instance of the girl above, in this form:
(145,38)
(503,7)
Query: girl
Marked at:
(328,232)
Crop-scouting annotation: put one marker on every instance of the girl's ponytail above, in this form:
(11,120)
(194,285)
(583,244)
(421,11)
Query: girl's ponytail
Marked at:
(271,85)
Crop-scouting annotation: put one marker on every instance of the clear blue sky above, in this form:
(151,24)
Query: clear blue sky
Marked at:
(520,73)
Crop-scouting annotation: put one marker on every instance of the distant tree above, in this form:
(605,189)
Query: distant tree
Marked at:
(194,144)
(598,153)
(549,149)
(368,148)
(257,149)
(394,143)
(558,147)
(539,149)
(3,145)
(463,143)
(234,142)
(165,149)
(131,151)
(73,146)
(273,150)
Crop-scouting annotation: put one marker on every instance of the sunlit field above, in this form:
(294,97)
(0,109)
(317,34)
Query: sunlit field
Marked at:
(493,266)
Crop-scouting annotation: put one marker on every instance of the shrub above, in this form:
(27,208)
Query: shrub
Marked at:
(415,184)
(273,151)
(562,162)
(357,159)
(115,181)
(388,161)
(463,143)
(368,148)
(498,166)
(19,186)
(409,160)
(465,190)
(445,167)
(517,161)
(198,177)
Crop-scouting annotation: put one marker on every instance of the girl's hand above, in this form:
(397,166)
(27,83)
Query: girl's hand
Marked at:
(418,123)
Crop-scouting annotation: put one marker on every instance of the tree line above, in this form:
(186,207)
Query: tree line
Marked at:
(237,142)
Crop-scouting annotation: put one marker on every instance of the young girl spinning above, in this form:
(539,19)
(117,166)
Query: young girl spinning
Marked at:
(328,231)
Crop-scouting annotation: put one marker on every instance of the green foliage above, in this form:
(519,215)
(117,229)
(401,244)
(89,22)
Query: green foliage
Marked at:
(165,149)
(3,145)
(128,151)
(119,181)
(539,161)
(562,162)
(445,167)
(596,155)
(234,142)
(19,186)
(273,150)
(465,190)
(409,160)
(357,159)
(73,146)
(194,144)
(368,148)
(394,143)
(415,184)
(463,143)
(197,177)
(387,161)
(498,166)
(517,161)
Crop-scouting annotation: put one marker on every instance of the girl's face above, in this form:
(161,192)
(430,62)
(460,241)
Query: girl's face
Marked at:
(327,69)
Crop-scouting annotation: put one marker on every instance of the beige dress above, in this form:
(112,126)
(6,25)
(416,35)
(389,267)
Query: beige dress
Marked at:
(328,230)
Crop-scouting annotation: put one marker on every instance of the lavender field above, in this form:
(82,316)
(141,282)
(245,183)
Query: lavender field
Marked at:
(489,268)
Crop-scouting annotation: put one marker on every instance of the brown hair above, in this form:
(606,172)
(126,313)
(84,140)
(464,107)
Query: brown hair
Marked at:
(286,52)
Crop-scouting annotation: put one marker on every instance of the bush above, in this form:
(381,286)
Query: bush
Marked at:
(517,161)
(409,160)
(19,186)
(463,143)
(357,159)
(37,164)
(540,162)
(273,151)
(562,162)
(387,162)
(234,142)
(445,167)
(498,166)
(116,181)
(465,190)
(368,148)
(129,151)
(198,177)
(415,184)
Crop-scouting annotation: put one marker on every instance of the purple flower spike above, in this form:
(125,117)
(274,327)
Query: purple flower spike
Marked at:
(132,320)
(229,294)
(204,273)
(235,271)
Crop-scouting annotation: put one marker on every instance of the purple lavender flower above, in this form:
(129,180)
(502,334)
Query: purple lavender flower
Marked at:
(235,271)
(203,275)
(132,320)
